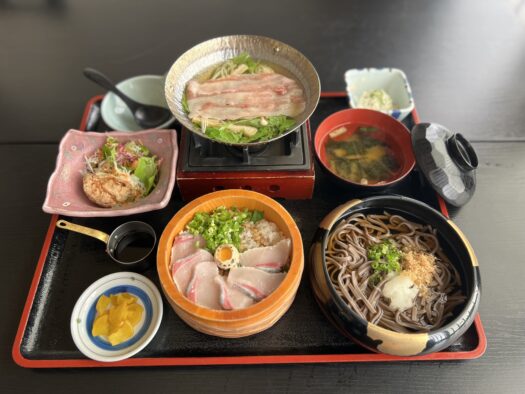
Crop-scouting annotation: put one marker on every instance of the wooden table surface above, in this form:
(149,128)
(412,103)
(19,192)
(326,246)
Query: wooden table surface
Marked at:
(464,60)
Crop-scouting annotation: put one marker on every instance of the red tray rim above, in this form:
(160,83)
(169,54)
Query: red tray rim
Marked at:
(22,361)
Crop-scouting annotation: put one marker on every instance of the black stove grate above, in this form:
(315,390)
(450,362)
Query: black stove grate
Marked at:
(291,153)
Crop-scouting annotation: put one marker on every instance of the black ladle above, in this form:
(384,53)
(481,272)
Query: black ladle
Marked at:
(147,116)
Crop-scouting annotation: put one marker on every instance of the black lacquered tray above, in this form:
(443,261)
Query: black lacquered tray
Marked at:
(70,262)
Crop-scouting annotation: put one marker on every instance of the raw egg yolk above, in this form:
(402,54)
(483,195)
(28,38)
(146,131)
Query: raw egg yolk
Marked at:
(225,254)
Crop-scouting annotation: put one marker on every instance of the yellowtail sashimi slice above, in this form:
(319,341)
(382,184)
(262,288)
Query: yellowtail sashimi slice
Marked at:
(182,269)
(231,297)
(268,258)
(202,289)
(254,282)
(185,244)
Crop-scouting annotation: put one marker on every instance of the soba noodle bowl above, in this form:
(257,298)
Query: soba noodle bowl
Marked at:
(352,274)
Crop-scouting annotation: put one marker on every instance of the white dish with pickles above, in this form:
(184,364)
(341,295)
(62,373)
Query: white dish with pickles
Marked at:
(381,89)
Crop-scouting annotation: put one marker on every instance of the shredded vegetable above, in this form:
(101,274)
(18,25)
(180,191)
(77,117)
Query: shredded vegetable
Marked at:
(132,158)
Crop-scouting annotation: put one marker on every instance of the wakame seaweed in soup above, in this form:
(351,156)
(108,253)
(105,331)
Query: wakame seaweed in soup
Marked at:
(361,154)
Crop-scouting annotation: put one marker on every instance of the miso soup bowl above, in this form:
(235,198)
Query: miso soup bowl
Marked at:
(373,337)
(396,135)
(241,322)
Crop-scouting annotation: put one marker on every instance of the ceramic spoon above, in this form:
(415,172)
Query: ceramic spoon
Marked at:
(147,116)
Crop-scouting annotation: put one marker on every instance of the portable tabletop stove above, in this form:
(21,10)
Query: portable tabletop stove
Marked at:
(281,169)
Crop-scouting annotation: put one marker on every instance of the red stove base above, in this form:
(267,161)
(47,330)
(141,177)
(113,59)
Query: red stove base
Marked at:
(288,185)
(291,185)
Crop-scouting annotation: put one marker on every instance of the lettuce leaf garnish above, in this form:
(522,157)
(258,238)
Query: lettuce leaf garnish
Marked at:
(110,150)
(146,171)
(247,60)
(276,125)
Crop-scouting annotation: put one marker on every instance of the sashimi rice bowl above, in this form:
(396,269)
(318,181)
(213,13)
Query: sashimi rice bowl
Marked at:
(230,263)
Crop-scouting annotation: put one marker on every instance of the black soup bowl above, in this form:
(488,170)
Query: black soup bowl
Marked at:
(454,244)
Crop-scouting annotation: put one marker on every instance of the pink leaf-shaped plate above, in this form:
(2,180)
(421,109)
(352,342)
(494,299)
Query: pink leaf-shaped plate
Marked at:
(65,195)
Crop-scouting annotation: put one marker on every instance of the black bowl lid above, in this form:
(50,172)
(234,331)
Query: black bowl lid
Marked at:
(447,160)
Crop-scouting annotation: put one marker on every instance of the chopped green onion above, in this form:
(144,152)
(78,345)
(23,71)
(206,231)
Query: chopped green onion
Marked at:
(222,226)
(385,258)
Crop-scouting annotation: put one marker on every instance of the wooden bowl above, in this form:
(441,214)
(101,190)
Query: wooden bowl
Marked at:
(242,322)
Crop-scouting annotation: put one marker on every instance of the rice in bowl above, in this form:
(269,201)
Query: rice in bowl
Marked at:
(258,234)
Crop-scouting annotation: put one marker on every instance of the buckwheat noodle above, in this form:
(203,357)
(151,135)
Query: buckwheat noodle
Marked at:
(349,269)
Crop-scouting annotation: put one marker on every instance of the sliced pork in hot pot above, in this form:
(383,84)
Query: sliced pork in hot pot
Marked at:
(244,100)
(245,96)
(250,83)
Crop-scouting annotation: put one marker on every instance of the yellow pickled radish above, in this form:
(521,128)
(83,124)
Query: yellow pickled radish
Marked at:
(134,314)
(101,326)
(117,315)
(127,298)
(122,334)
(102,304)
(114,299)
